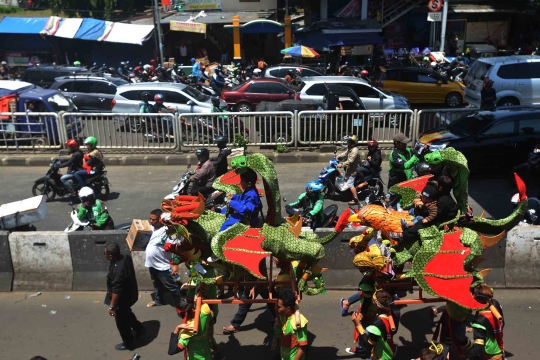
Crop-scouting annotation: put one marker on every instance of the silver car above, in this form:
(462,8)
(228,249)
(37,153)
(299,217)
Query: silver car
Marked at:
(281,71)
(516,79)
(183,97)
(373,97)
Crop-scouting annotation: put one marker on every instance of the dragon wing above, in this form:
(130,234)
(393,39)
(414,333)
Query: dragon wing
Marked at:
(408,189)
(438,266)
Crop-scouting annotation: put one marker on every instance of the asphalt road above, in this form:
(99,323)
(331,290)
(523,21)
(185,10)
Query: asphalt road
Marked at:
(136,190)
(80,328)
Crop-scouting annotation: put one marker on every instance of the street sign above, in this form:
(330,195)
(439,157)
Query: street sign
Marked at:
(435,5)
(434,16)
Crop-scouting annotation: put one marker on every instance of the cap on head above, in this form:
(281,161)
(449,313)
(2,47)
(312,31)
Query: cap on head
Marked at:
(430,191)
(193,59)
(401,138)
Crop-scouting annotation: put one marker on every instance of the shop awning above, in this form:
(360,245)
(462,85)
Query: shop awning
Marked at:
(68,28)
(129,34)
(90,29)
(14,25)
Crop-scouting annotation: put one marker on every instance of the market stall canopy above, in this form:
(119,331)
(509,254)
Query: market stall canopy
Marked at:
(16,25)
(129,33)
(68,28)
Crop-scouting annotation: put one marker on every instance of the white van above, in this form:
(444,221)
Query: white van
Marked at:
(516,79)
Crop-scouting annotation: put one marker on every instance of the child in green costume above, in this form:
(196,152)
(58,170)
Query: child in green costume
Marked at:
(294,341)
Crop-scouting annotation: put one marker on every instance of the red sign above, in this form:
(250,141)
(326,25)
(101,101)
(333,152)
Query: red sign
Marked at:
(435,5)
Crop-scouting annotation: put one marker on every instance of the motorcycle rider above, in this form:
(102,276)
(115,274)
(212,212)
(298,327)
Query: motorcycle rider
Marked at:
(402,161)
(138,70)
(204,175)
(73,164)
(355,73)
(223,120)
(157,123)
(217,81)
(122,70)
(370,167)
(220,162)
(145,76)
(289,77)
(312,199)
(144,106)
(93,164)
(352,156)
(195,68)
(532,216)
(93,211)
(202,75)
(298,78)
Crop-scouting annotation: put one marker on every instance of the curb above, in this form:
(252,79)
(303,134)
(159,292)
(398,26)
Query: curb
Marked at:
(112,159)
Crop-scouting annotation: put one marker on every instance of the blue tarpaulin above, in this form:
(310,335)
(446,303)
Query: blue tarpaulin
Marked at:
(13,25)
(90,29)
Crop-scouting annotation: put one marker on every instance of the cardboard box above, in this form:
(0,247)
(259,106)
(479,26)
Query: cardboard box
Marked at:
(23,212)
(139,235)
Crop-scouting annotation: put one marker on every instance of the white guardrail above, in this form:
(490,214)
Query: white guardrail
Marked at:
(21,132)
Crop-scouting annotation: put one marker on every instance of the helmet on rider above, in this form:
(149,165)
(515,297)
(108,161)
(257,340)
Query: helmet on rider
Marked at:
(91,141)
(159,98)
(215,101)
(145,95)
(257,73)
(364,73)
(87,194)
(122,64)
(72,145)
(313,187)
(221,142)
(202,154)
(77,63)
(373,144)
(423,169)
(112,70)
(351,140)
(146,67)
(298,71)
(355,72)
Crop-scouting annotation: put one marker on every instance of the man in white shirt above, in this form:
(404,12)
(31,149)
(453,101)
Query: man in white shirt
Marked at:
(158,261)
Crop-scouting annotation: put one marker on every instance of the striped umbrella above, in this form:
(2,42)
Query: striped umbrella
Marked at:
(300,51)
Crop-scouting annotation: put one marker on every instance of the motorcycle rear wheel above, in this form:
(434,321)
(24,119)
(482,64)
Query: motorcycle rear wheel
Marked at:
(44,188)
(102,190)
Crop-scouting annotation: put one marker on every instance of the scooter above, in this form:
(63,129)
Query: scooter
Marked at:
(182,186)
(76,224)
(50,185)
(330,216)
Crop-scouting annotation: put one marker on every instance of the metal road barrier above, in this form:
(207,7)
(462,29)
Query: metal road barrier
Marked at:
(20,131)
(434,118)
(258,128)
(128,131)
(330,127)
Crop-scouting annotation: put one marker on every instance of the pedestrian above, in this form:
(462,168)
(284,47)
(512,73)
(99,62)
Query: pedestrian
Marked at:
(294,340)
(159,262)
(488,96)
(402,161)
(122,294)
(195,68)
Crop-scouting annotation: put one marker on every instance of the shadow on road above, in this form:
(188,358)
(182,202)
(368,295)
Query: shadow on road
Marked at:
(420,325)
(152,331)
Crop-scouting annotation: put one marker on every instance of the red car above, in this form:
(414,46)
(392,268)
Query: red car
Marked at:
(246,96)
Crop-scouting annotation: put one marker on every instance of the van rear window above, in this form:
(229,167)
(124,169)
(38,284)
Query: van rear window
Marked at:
(479,70)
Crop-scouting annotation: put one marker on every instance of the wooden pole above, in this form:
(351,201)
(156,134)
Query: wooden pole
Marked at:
(288,31)
(236,37)
(197,318)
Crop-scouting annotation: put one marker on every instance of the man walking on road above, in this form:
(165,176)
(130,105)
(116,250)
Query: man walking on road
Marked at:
(122,294)
(158,262)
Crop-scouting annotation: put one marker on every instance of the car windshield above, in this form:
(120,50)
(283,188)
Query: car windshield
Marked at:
(470,125)
(286,84)
(237,87)
(117,81)
(61,103)
(196,94)
(479,70)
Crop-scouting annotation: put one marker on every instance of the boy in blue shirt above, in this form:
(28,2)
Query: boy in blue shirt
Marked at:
(245,206)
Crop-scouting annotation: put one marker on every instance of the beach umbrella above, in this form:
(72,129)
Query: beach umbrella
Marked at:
(300,51)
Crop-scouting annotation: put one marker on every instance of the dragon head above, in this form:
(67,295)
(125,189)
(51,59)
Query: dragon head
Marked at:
(433,158)
(371,259)
(362,240)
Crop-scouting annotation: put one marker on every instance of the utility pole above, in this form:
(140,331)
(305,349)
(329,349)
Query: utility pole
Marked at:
(157,30)
(443,25)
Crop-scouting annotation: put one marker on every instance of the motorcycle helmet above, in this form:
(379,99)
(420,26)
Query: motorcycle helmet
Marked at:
(350,139)
(221,142)
(364,73)
(203,152)
(314,187)
(91,141)
(146,67)
(72,144)
(257,73)
(77,63)
(122,64)
(355,72)
(86,194)
(298,71)
(145,95)
(215,101)
(423,169)
(112,70)
(159,98)
(373,143)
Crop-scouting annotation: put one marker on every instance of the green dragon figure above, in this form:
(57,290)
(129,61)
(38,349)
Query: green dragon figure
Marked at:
(240,245)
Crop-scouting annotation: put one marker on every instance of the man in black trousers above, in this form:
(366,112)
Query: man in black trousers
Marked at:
(122,294)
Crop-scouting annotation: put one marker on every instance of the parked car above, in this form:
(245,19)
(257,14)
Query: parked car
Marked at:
(186,98)
(516,79)
(490,140)
(372,97)
(45,76)
(422,86)
(279,129)
(89,92)
(281,71)
(246,96)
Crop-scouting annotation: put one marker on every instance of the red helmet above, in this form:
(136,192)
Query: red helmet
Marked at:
(72,144)
(159,98)
(152,61)
(372,143)
(364,73)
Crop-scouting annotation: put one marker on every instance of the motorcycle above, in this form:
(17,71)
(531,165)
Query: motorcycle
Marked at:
(50,185)
(76,224)
(205,89)
(330,216)
(182,187)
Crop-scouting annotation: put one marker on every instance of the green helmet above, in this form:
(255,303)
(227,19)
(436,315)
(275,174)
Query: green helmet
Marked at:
(92,141)
(77,63)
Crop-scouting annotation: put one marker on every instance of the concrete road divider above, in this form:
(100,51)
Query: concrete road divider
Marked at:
(522,264)
(90,266)
(141,272)
(6,267)
(41,261)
